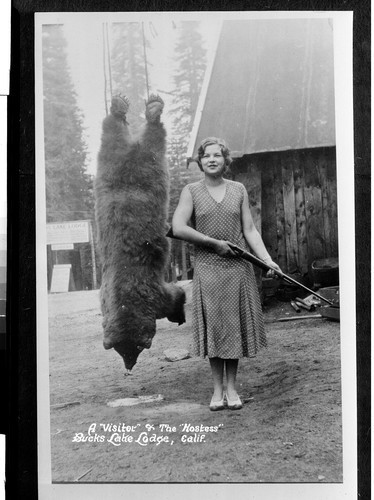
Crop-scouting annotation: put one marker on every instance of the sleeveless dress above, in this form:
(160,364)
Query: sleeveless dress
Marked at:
(227,319)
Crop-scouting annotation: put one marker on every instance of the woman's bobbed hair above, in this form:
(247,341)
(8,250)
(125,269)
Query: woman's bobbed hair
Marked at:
(209,141)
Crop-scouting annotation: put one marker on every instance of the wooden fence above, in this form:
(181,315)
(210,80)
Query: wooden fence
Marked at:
(293,199)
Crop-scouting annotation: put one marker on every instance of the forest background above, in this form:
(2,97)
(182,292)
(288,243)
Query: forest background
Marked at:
(128,58)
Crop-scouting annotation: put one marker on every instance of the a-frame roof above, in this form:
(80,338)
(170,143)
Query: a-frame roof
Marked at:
(270,87)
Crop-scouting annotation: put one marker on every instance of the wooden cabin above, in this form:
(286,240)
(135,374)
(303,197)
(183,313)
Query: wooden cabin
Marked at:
(270,94)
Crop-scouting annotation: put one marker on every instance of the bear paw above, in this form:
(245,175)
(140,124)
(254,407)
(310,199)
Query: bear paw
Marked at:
(120,106)
(153,108)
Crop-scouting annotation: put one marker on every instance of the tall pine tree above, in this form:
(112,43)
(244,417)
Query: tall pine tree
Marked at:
(69,189)
(69,193)
(190,61)
(128,69)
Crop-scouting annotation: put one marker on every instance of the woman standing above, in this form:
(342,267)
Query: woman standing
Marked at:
(227,316)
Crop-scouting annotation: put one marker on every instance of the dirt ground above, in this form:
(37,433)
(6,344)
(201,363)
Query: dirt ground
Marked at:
(289,429)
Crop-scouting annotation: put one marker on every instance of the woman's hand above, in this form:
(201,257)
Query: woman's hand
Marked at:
(223,249)
(273,265)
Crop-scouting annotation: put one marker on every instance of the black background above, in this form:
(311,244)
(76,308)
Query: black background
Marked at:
(18,363)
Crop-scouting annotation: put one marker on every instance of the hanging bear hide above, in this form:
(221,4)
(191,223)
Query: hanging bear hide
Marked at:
(131,202)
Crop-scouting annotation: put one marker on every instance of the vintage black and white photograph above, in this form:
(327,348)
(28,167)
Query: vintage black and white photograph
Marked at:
(195,313)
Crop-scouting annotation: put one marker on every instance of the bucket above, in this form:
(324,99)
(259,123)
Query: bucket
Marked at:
(325,272)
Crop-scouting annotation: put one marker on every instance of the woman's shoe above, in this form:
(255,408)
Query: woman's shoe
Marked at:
(234,404)
(217,405)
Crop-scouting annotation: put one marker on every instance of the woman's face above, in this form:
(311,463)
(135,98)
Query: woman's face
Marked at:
(213,161)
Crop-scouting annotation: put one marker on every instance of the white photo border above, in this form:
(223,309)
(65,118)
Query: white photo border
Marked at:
(343,43)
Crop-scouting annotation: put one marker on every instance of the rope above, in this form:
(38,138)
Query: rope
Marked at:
(105,77)
(109,63)
(145,62)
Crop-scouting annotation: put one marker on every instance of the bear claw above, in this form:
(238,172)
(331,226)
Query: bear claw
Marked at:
(120,106)
(154,107)
(153,98)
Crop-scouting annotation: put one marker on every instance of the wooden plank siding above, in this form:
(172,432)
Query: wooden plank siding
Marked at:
(269,222)
(281,256)
(313,207)
(330,205)
(253,184)
(290,216)
(250,175)
(294,193)
(301,225)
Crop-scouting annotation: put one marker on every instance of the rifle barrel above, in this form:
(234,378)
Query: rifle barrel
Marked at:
(260,263)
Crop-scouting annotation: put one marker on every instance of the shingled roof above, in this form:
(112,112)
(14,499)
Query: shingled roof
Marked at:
(270,87)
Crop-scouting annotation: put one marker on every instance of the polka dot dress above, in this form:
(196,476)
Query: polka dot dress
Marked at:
(227,316)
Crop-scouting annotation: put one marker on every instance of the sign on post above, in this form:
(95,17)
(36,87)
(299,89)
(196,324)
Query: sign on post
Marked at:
(68,232)
(63,235)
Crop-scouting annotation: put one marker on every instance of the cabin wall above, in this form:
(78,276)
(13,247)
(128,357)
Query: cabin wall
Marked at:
(293,198)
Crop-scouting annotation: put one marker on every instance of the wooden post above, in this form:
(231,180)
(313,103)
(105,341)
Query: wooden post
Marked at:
(173,273)
(184,261)
(93,258)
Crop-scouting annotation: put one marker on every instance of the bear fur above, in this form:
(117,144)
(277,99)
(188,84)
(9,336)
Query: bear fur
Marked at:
(131,203)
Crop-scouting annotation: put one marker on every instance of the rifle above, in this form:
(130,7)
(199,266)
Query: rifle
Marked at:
(260,263)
